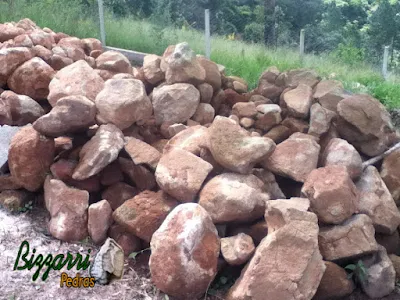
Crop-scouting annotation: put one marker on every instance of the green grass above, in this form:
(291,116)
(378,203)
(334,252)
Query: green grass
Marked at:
(241,59)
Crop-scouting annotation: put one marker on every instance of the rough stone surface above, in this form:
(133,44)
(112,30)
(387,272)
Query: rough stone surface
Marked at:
(181,174)
(335,283)
(286,265)
(76,79)
(151,69)
(234,149)
(113,61)
(191,241)
(294,158)
(99,220)
(11,59)
(377,202)
(70,114)
(68,210)
(233,197)
(381,275)
(329,93)
(204,114)
(320,120)
(99,152)
(123,102)
(143,214)
(352,239)
(269,116)
(270,184)
(333,195)
(142,153)
(298,101)
(192,139)
(390,173)
(30,156)
(140,176)
(340,152)
(238,249)
(175,103)
(118,193)
(32,79)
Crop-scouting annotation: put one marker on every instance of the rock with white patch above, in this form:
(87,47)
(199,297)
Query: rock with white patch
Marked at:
(238,249)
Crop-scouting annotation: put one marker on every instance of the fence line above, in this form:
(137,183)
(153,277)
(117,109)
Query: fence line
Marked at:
(101,20)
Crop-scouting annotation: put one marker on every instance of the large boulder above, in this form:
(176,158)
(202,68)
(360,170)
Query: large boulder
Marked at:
(328,93)
(365,123)
(76,79)
(377,202)
(99,152)
(113,61)
(348,241)
(233,148)
(295,158)
(70,114)
(340,152)
(68,210)
(181,174)
(143,214)
(30,156)
(123,102)
(234,197)
(11,59)
(183,66)
(175,103)
(190,240)
(286,265)
(32,78)
(333,196)
(294,78)
(390,173)
(152,70)
(19,109)
(9,31)
(213,75)
(298,101)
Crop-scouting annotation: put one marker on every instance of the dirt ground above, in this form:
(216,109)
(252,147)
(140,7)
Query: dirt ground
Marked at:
(18,285)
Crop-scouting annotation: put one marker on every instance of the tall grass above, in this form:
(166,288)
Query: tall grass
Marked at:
(239,58)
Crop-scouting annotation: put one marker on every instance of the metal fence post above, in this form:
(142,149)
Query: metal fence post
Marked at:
(385,62)
(302,39)
(207,33)
(101,19)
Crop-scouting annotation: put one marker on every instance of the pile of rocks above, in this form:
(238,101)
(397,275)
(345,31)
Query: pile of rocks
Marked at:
(181,157)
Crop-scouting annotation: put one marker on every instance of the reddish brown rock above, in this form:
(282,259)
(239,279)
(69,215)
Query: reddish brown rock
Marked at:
(390,173)
(175,103)
(7,182)
(126,107)
(213,75)
(32,78)
(70,114)
(294,78)
(91,44)
(206,92)
(192,139)
(340,152)
(128,242)
(286,265)
(181,174)
(278,133)
(142,153)
(99,220)
(269,116)
(298,101)
(99,152)
(371,131)
(10,60)
(294,158)
(335,283)
(111,174)
(144,214)
(296,125)
(332,193)
(204,114)
(113,61)
(329,93)
(350,240)
(9,31)
(237,250)
(42,38)
(232,97)
(20,109)
(320,120)
(68,210)
(233,197)
(234,149)
(139,175)
(118,193)
(29,159)
(191,239)
(76,79)
(270,184)
(244,109)
(377,202)
(151,69)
